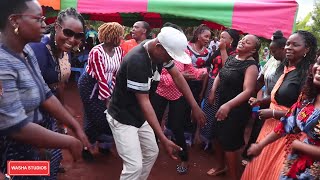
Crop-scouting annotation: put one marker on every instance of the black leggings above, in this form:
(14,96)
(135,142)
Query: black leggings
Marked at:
(176,119)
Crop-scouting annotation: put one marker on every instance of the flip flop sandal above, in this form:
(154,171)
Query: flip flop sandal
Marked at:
(216,172)
(182,170)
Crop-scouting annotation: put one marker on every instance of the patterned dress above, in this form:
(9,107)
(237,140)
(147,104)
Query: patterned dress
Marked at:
(285,93)
(230,132)
(206,133)
(54,71)
(302,117)
(96,86)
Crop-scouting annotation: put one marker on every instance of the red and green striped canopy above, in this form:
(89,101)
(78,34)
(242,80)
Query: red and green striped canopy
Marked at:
(259,17)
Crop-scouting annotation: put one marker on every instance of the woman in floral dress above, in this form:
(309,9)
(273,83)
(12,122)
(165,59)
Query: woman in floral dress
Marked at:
(302,158)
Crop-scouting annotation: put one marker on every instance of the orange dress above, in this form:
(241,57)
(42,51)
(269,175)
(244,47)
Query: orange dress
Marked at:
(268,165)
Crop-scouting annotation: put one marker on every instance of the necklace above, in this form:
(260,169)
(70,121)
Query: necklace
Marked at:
(195,48)
(147,49)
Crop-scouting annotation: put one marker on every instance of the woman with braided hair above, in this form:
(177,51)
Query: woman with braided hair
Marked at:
(302,162)
(53,59)
(290,77)
(97,83)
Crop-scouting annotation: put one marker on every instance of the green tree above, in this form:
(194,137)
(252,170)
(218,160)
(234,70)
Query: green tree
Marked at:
(302,25)
(315,26)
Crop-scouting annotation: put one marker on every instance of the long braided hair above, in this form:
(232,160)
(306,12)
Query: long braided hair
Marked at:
(311,43)
(69,12)
(110,33)
(258,46)
(309,90)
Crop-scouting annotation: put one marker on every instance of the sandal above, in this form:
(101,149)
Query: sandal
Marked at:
(217,172)
(182,170)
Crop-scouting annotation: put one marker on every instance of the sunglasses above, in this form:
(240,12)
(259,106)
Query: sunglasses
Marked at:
(69,33)
(39,19)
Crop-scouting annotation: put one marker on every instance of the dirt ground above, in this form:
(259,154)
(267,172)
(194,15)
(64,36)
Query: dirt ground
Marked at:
(108,167)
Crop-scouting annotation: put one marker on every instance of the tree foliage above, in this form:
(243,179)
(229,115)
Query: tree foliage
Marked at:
(302,25)
(311,22)
(315,26)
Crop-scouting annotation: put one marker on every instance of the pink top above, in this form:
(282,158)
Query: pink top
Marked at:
(167,87)
(103,68)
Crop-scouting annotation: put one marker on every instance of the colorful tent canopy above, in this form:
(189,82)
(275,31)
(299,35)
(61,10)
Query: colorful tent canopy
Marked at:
(259,17)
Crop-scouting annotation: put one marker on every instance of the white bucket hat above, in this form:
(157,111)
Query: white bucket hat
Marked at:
(175,43)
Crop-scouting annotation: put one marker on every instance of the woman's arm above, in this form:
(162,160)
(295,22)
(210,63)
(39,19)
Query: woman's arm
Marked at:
(271,113)
(204,87)
(249,85)
(311,150)
(53,106)
(41,137)
(213,90)
(255,149)
(198,74)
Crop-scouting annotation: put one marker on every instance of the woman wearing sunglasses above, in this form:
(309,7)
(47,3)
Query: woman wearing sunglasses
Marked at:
(53,59)
(97,83)
(23,90)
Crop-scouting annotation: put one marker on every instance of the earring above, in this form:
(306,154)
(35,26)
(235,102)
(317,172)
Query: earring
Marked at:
(76,48)
(16,30)
(55,40)
(305,55)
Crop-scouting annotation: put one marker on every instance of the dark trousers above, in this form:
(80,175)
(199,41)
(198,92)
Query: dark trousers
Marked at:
(195,87)
(176,119)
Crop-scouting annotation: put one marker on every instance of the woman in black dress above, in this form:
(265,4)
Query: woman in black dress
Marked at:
(235,84)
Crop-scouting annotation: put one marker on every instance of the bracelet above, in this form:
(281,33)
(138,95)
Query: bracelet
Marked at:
(273,113)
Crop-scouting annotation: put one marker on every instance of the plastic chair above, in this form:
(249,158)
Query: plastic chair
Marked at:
(83,57)
(188,136)
(79,71)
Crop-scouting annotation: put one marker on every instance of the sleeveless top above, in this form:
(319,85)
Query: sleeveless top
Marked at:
(232,78)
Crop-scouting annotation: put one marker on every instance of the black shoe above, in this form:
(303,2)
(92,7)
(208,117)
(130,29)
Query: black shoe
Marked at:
(182,170)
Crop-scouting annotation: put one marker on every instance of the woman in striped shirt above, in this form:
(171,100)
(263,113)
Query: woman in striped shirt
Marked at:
(97,83)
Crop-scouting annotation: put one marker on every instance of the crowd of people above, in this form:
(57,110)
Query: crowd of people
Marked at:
(206,87)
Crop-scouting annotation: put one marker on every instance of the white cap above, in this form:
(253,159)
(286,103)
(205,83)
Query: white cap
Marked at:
(175,43)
